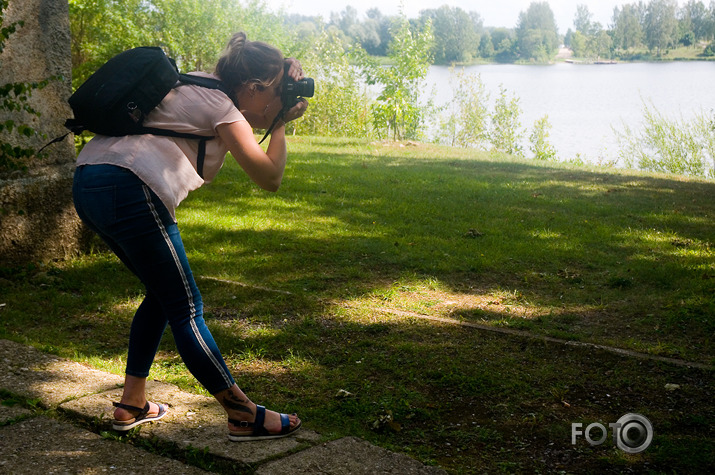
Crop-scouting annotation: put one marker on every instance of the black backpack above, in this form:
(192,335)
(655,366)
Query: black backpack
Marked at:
(116,99)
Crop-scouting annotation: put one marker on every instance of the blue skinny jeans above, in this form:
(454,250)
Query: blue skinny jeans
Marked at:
(136,225)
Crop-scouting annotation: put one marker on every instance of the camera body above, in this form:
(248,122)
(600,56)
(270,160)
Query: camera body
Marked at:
(292,90)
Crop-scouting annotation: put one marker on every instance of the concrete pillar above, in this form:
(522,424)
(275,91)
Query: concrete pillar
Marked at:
(37,219)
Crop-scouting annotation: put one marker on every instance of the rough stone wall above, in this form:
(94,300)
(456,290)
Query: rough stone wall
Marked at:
(37,218)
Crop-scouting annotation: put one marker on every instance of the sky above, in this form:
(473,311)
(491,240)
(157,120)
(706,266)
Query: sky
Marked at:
(494,12)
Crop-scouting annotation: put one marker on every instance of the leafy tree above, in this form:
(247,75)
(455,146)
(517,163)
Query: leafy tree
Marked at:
(346,19)
(102,28)
(304,29)
(455,33)
(191,31)
(367,34)
(342,109)
(539,138)
(486,47)
(467,122)
(660,25)
(579,44)
(709,50)
(504,42)
(533,45)
(694,17)
(498,35)
(396,111)
(602,43)
(589,40)
(382,25)
(537,34)
(567,37)
(583,21)
(709,27)
(627,30)
(505,132)
(194,32)
(373,34)
(671,146)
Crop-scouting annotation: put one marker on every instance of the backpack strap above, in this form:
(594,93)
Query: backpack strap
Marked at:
(201,155)
(55,140)
(182,135)
(209,83)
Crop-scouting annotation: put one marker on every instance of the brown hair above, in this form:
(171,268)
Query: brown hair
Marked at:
(244,62)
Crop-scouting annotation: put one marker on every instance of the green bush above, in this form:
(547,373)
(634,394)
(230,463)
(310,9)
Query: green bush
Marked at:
(709,50)
(505,132)
(466,124)
(539,138)
(340,109)
(670,146)
(397,111)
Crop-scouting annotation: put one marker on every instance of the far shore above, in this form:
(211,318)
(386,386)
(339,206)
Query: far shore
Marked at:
(565,55)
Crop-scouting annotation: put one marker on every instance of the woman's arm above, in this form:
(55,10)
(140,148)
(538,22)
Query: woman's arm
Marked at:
(264,168)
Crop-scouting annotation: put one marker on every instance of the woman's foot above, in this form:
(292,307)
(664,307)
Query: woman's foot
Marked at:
(266,425)
(128,416)
(272,422)
(247,421)
(122,414)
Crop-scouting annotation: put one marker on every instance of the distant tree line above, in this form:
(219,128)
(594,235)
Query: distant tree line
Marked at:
(343,54)
(656,26)
(461,37)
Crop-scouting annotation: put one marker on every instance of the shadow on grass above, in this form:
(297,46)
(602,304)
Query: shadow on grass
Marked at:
(619,259)
(629,255)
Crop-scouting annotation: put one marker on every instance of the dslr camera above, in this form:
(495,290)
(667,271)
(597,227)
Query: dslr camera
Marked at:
(292,90)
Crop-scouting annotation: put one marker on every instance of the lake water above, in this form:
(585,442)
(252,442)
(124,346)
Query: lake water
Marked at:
(585,102)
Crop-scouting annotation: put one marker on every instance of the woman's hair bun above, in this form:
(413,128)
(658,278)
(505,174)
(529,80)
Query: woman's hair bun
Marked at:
(236,43)
(246,62)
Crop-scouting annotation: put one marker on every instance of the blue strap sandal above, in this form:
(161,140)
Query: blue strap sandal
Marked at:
(141,418)
(260,432)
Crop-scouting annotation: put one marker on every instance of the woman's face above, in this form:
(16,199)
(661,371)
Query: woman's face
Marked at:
(259,100)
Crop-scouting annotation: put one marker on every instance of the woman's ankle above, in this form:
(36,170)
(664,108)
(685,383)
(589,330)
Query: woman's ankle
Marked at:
(134,393)
(236,404)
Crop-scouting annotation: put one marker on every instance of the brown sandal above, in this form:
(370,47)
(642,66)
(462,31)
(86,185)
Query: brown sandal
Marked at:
(140,418)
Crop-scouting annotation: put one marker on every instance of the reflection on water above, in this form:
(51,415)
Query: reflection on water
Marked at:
(585,102)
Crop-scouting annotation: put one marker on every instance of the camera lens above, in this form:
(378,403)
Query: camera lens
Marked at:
(305,87)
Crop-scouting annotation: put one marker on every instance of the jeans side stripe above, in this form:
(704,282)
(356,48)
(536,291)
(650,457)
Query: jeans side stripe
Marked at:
(187,288)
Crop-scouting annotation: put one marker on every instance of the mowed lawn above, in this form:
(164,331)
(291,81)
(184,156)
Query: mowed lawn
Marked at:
(372,293)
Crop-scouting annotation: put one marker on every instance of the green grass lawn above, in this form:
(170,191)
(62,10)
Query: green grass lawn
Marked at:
(326,287)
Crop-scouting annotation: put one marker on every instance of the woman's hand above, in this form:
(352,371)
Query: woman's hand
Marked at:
(296,111)
(295,70)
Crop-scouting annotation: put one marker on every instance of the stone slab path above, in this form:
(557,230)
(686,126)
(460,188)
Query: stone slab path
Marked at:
(32,443)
